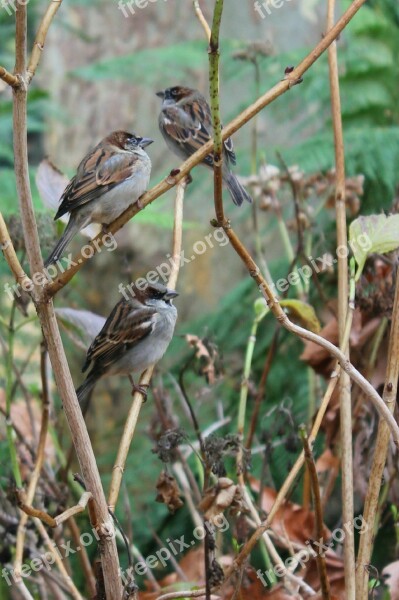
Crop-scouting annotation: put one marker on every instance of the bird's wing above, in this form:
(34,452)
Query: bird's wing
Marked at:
(128,323)
(191,127)
(98,173)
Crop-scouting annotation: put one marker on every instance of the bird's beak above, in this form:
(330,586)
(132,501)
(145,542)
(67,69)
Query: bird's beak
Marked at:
(160,94)
(170,294)
(145,142)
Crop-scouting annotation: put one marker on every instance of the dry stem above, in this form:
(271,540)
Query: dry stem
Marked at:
(202,19)
(40,39)
(344,384)
(314,482)
(145,378)
(380,455)
(40,454)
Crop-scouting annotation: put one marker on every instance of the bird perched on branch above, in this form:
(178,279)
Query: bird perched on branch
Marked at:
(185,123)
(110,178)
(135,336)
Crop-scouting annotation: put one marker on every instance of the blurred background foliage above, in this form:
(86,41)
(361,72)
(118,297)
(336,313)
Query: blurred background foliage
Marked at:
(99,72)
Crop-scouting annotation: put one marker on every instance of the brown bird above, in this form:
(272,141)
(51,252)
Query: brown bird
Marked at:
(110,178)
(185,123)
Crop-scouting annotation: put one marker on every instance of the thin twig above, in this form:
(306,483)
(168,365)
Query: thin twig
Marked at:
(9,78)
(380,454)
(202,19)
(40,39)
(40,455)
(319,528)
(48,519)
(290,577)
(131,421)
(345,401)
(58,561)
(12,258)
(83,557)
(261,388)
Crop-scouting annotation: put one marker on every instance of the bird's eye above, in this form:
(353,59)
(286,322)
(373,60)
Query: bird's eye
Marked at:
(174,92)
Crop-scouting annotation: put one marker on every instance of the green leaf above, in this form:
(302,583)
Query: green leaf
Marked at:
(374,233)
(304,313)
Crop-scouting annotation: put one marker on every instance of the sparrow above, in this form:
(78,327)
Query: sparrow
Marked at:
(186,125)
(135,336)
(110,178)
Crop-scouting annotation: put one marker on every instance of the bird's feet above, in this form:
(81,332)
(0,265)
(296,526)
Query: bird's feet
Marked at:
(142,389)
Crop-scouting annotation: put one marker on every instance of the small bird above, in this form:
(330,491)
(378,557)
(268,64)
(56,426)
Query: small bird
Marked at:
(110,178)
(135,336)
(186,124)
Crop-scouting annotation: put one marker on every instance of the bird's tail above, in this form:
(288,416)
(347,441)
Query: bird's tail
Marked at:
(237,191)
(63,242)
(86,388)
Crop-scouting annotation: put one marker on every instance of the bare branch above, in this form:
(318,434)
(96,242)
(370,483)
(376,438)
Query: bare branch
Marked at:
(11,257)
(202,19)
(41,38)
(9,78)
(48,519)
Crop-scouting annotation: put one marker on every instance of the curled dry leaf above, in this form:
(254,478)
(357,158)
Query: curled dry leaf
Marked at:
(207,355)
(220,497)
(168,492)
